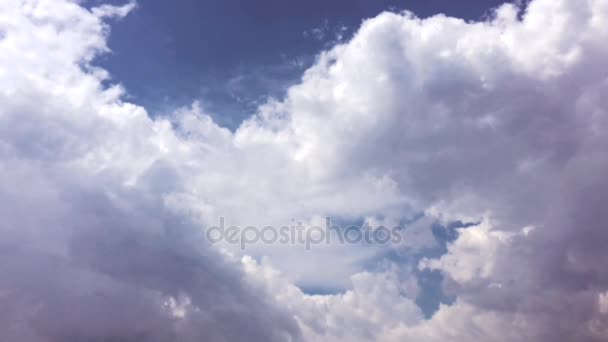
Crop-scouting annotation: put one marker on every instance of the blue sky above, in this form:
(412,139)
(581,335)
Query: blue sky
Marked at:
(232,54)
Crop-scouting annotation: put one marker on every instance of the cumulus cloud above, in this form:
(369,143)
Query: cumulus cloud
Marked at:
(90,250)
(479,120)
(500,124)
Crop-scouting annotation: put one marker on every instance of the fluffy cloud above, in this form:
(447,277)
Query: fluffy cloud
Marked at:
(501,124)
(90,251)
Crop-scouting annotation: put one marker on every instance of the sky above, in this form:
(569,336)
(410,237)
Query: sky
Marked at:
(233,55)
(181,174)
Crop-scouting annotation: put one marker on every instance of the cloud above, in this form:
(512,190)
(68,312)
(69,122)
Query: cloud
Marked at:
(89,249)
(496,122)
(500,124)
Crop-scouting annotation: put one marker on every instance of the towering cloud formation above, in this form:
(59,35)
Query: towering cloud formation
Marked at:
(501,123)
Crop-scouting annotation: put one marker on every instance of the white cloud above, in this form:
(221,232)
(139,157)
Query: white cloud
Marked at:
(500,122)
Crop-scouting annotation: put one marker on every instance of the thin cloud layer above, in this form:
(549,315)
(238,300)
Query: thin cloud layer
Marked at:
(501,124)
